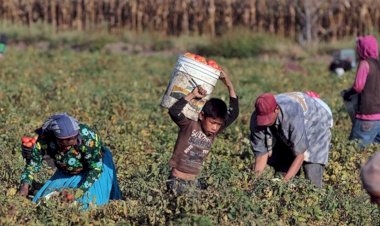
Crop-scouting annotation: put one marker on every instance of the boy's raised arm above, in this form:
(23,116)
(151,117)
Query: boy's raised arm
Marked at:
(233,108)
(175,111)
(225,78)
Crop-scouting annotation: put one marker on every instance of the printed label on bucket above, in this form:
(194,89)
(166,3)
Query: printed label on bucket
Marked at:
(182,87)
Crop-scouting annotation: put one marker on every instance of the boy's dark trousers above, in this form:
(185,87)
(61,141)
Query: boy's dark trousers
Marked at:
(178,186)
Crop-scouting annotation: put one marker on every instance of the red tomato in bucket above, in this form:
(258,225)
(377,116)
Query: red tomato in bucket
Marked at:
(190,55)
(200,59)
(213,64)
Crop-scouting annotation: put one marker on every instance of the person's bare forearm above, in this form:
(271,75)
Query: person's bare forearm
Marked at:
(189,97)
(197,93)
(231,90)
(227,82)
(295,167)
(230,87)
(260,163)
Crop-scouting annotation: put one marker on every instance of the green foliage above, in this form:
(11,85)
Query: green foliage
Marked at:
(162,45)
(119,96)
(96,40)
(242,43)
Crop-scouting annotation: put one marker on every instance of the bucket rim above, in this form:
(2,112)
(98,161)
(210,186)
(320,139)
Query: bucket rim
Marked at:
(202,65)
(193,67)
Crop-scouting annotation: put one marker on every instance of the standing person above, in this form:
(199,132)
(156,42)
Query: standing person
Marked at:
(370,176)
(81,159)
(366,126)
(291,130)
(195,138)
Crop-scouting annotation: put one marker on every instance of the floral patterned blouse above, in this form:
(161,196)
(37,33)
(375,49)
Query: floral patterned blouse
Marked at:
(86,156)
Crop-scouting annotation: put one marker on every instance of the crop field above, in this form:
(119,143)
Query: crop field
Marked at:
(119,95)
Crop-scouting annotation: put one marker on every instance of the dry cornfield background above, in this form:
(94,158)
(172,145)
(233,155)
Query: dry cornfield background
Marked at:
(297,19)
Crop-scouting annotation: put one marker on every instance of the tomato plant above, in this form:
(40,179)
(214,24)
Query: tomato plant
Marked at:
(119,96)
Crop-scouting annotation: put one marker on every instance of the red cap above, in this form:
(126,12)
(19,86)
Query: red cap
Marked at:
(265,106)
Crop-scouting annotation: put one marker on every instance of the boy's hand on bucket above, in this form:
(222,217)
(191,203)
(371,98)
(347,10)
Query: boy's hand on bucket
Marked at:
(225,78)
(199,92)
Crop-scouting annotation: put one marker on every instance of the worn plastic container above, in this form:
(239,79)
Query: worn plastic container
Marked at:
(187,74)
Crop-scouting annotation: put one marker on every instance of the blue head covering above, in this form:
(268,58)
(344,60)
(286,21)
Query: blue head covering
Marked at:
(61,125)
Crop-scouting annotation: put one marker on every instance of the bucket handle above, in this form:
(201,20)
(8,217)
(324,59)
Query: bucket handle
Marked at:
(190,79)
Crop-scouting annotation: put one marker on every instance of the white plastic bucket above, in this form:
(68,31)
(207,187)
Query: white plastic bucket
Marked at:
(187,74)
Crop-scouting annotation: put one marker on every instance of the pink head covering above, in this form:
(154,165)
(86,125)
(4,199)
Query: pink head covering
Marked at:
(313,94)
(367,47)
(370,174)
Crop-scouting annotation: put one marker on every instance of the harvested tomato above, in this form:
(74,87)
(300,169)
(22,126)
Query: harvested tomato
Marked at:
(196,57)
(200,59)
(28,144)
(213,64)
(190,55)
(70,197)
(25,139)
(33,140)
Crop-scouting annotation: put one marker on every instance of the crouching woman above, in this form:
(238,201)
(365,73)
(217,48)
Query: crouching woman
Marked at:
(82,162)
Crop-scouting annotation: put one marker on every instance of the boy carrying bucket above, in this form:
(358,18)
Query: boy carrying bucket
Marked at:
(195,138)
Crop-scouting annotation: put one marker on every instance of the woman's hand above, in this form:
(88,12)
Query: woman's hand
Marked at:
(23,190)
(66,196)
(347,94)
(225,78)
